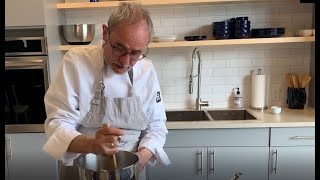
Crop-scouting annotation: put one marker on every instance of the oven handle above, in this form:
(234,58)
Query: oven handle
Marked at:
(15,63)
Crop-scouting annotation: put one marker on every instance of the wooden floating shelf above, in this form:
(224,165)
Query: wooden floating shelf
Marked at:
(110,4)
(217,42)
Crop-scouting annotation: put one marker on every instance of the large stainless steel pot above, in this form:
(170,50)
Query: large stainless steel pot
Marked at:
(99,167)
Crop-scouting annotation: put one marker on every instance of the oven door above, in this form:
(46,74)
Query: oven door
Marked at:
(26,82)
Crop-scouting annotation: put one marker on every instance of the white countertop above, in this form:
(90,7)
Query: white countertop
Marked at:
(287,118)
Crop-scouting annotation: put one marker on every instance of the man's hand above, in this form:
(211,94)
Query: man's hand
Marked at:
(106,141)
(144,155)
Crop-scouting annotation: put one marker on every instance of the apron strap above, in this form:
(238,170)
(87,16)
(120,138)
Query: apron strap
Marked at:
(130,73)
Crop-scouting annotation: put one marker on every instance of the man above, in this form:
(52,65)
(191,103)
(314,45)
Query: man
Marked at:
(111,84)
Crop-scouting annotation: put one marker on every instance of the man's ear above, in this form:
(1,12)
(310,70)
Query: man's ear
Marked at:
(105,32)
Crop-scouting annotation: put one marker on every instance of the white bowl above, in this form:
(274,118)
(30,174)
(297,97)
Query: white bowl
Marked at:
(276,109)
(164,38)
(305,33)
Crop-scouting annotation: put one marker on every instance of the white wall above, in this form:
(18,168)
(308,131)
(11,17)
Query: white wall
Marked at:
(224,67)
(53,18)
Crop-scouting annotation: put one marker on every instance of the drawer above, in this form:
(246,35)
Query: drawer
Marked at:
(297,136)
(218,137)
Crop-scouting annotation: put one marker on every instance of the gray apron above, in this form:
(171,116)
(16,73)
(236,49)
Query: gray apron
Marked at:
(125,113)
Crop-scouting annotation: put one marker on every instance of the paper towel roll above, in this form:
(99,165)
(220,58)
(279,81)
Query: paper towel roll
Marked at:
(258,91)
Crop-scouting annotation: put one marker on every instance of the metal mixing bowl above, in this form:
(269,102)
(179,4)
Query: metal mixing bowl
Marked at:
(78,34)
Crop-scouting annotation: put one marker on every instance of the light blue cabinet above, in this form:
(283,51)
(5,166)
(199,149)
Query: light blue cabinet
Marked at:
(206,154)
(187,164)
(226,162)
(256,153)
(294,163)
(292,153)
(26,159)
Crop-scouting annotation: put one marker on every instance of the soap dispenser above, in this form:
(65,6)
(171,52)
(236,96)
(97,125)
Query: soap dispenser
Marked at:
(238,101)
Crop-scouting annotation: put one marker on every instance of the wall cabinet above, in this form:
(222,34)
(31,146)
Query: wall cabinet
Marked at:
(24,13)
(25,158)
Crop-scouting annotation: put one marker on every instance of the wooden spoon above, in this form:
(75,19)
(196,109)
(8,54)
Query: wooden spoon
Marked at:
(295,81)
(305,80)
(113,156)
(289,79)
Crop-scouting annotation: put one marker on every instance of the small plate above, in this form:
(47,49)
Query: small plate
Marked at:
(195,38)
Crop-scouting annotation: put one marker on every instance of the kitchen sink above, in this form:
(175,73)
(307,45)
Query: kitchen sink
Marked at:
(209,115)
(231,115)
(187,116)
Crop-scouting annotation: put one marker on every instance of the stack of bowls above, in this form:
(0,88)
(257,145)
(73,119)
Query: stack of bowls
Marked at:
(241,27)
(222,29)
(234,28)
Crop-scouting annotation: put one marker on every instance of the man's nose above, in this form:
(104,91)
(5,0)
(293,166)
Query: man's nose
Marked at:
(125,59)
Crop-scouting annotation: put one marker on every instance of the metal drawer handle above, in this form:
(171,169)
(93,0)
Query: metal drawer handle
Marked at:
(303,137)
(275,153)
(200,162)
(212,161)
(8,147)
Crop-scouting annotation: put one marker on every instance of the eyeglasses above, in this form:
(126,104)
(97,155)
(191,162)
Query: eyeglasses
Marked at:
(119,52)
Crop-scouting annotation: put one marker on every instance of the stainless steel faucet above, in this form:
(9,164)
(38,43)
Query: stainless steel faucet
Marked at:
(199,103)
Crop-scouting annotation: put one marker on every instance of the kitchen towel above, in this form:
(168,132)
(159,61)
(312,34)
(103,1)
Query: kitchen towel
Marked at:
(258,99)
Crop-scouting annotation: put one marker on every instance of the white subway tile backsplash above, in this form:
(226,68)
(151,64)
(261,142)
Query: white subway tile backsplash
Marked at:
(251,54)
(225,54)
(181,21)
(290,61)
(213,11)
(214,63)
(223,67)
(186,30)
(199,21)
(236,10)
(186,11)
(156,22)
(265,9)
(245,71)
(268,61)
(238,63)
(225,71)
(163,12)
(302,16)
(163,30)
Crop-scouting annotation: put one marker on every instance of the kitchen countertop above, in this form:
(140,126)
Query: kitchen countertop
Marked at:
(287,118)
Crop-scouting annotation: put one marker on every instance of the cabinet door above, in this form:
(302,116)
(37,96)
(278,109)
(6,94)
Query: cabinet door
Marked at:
(6,157)
(186,164)
(225,162)
(27,159)
(294,163)
(24,13)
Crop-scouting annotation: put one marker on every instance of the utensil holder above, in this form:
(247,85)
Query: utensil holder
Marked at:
(296,98)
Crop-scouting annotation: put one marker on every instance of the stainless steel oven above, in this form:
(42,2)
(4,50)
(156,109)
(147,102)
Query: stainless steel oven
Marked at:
(26,76)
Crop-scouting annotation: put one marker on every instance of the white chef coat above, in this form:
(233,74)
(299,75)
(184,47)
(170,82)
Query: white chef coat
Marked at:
(69,96)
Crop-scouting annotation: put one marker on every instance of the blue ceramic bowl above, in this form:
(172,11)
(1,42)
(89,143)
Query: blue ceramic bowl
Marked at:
(225,34)
(240,18)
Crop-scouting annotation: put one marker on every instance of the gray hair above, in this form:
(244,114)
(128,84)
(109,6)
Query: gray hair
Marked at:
(130,13)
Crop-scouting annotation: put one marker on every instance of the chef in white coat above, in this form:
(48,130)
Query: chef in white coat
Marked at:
(113,83)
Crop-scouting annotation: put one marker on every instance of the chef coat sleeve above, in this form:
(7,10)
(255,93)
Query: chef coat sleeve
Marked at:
(154,136)
(62,108)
